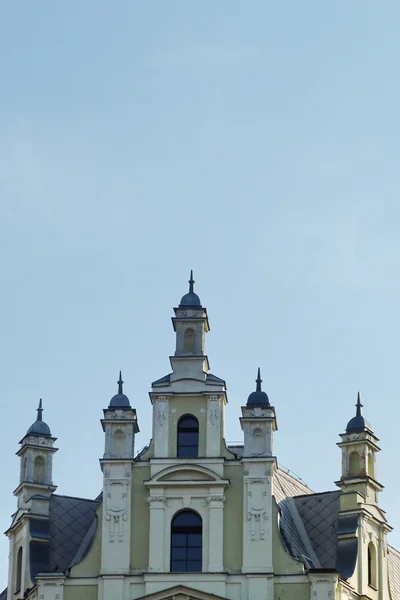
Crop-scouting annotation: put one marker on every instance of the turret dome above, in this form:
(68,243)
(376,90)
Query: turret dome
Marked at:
(39,427)
(120,400)
(190,300)
(258,398)
(358,423)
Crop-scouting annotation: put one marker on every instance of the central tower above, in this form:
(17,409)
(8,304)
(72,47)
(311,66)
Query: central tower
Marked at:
(190,325)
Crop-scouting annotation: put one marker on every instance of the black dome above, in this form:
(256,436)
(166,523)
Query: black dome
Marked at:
(39,427)
(258,398)
(358,423)
(120,400)
(190,299)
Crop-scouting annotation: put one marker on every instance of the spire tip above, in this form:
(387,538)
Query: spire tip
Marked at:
(258,380)
(39,410)
(191,282)
(120,384)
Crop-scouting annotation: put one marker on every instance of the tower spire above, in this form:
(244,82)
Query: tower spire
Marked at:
(258,380)
(39,411)
(359,405)
(120,384)
(191,283)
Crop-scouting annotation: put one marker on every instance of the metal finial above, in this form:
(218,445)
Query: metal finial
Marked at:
(39,411)
(258,380)
(120,383)
(191,283)
(359,405)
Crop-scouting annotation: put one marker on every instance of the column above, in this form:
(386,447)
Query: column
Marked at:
(216,532)
(160,426)
(214,433)
(116,535)
(156,541)
(51,588)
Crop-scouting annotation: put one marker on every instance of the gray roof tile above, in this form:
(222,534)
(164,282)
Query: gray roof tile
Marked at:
(320,514)
(70,518)
(394,572)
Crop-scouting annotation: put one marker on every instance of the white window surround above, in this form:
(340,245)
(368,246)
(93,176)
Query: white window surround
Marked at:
(186,486)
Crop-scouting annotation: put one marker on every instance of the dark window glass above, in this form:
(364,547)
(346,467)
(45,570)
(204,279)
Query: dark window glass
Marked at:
(186,542)
(188,438)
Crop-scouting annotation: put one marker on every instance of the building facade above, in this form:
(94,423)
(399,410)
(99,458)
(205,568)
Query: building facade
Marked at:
(190,517)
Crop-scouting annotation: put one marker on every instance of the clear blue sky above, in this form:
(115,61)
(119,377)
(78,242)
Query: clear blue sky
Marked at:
(255,142)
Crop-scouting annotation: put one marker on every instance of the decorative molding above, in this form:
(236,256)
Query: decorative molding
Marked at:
(116,509)
(216,498)
(156,500)
(162,409)
(213,410)
(257,492)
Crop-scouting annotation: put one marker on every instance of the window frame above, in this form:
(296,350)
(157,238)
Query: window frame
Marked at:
(187,431)
(191,532)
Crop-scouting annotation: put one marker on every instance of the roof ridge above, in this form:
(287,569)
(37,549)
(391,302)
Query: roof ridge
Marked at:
(394,549)
(75,498)
(292,476)
(318,493)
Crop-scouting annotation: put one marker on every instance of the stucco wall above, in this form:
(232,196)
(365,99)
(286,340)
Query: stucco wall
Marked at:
(90,565)
(292,591)
(80,592)
(284,563)
(140,518)
(233,510)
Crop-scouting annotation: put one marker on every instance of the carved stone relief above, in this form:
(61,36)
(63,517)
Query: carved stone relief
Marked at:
(213,410)
(162,410)
(257,492)
(116,507)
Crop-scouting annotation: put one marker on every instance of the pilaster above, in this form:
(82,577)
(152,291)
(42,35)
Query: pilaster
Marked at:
(257,515)
(214,433)
(160,424)
(157,502)
(216,533)
(323,585)
(50,587)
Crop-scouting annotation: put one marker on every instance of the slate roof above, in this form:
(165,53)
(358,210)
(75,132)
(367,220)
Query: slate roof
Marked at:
(320,515)
(3,595)
(70,520)
(394,572)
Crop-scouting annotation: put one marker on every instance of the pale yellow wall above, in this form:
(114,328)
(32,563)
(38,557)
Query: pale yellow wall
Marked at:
(187,406)
(292,591)
(284,563)
(140,519)
(90,565)
(80,592)
(233,510)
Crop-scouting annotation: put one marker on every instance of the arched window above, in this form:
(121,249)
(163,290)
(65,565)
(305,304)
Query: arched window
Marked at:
(188,437)
(354,463)
(189,340)
(18,573)
(371,565)
(186,542)
(39,470)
